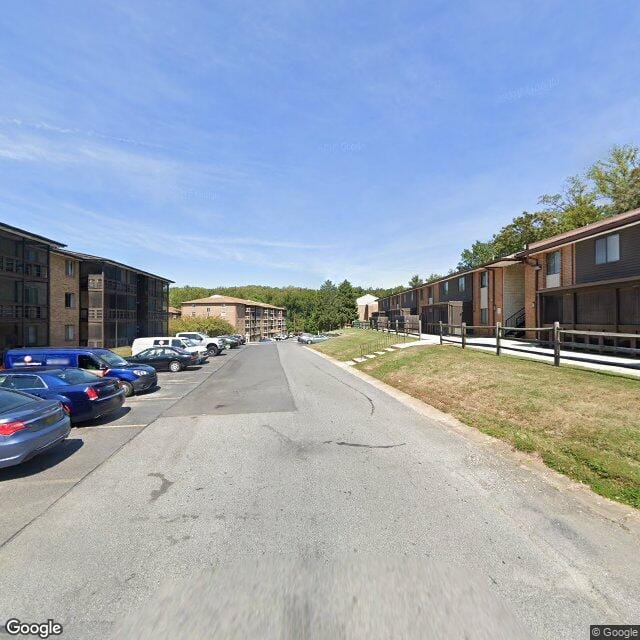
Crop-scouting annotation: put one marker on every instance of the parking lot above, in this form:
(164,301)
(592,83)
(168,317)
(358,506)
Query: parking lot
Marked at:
(28,490)
(269,466)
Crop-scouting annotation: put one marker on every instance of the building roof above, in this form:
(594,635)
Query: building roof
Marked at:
(366,299)
(595,228)
(31,236)
(90,258)
(174,310)
(220,299)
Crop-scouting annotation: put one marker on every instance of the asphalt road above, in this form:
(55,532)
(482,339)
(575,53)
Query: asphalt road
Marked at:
(271,494)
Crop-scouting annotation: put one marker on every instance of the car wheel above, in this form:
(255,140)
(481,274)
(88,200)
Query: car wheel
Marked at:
(127,387)
(175,366)
(213,349)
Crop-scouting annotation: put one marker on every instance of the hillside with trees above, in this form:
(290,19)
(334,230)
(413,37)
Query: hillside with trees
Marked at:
(322,309)
(608,187)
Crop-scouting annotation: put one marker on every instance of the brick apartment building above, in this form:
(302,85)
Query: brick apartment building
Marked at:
(367,306)
(252,319)
(64,294)
(119,303)
(586,279)
(45,296)
(24,287)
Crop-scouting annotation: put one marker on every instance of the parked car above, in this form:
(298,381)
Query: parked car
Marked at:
(302,337)
(214,345)
(165,358)
(232,343)
(314,339)
(140,344)
(29,426)
(266,340)
(132,378)
(241,339)
(83,395)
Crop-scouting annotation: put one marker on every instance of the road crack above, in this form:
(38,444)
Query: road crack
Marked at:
(346,384)
(365,446)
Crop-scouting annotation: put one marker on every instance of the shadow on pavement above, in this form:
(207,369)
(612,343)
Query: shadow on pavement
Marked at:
(43,461)
(112,417)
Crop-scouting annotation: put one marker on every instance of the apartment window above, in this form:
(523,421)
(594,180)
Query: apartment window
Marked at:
(69,268)
(608,249)
(484,279)
(70,300)
(461,285)
(553,263)
(484,316)
(445,288)
(69,332)
(31,335)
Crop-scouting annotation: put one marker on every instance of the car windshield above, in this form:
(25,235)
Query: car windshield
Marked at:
(112,359)
(75,376)
(11,400)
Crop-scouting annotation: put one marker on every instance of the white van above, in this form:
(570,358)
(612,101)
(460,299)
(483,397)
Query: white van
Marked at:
(140,344)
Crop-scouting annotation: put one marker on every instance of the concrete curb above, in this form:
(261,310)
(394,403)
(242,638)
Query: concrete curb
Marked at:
(624,516)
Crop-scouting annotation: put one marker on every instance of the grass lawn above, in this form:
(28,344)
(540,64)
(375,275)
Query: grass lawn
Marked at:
(122,351)
(352,343)
(582,423)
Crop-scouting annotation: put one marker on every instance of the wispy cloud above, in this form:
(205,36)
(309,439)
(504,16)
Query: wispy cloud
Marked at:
(76,132)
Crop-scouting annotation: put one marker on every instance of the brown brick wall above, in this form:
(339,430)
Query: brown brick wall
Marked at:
(232,313)
(530,294)
(60,316)
(496,303)
(235,314)
(476,298)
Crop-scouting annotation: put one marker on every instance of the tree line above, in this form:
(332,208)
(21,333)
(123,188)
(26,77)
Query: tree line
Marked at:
(328,307)
(608,187)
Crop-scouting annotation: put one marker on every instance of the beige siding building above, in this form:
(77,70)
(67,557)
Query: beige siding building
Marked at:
(64,323)
(367,305)
(254,320)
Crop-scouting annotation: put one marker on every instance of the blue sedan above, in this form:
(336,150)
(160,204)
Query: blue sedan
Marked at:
(29,426)
(83,395)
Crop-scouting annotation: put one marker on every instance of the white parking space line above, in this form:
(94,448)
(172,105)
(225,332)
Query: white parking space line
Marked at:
(156,398)
(112,426)
(24,481)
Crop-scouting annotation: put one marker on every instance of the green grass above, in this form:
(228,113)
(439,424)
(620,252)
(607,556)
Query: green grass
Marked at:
(122,351)
(352,343)
(585,424)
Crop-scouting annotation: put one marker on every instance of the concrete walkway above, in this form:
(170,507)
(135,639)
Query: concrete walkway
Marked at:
(613,364)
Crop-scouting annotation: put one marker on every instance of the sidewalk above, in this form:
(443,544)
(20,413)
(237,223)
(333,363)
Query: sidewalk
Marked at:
(598,362)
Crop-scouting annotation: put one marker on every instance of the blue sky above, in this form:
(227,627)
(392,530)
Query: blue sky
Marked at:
(222,143)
